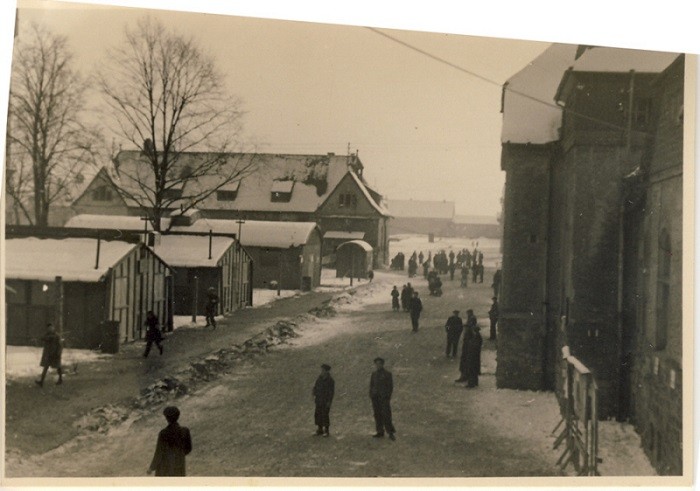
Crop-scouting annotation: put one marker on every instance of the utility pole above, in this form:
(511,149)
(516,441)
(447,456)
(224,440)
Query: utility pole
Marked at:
(240,223)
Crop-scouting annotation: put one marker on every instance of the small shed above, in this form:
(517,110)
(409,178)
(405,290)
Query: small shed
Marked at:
(353,258)
(200,262)
(100,281)
(286,253)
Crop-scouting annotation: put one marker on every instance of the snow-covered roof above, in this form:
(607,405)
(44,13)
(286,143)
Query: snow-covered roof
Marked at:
(337,234)
(254,233)
(309,178)
(191,251)
(377,206)
(475,220)
(409,208)
(117,222)
(530,114)
(73,259)
(360,243)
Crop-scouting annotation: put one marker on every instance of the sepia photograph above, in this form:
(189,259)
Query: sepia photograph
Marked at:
(243,247)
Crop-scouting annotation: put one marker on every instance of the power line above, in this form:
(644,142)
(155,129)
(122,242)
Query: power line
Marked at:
(498,84)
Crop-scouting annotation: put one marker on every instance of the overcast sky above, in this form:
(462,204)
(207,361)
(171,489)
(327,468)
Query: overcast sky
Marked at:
(423,130)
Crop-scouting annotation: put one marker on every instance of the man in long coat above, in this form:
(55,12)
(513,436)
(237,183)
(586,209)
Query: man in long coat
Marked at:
(381,387)
(416,307)
(323,392)
(395,299)
(174,443)
(470,365)
(493,318)
(405,298)
(212,307)
(153,334)
(51,354)
(454,329)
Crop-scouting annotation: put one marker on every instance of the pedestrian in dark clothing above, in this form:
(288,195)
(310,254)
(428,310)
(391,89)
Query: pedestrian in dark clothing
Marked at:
(452,257)
(453,328)
(381,386)
(370,275)
(474,358)
(466,360)
(465,277)
(212,307)
(51,354)
(415,308)
(395,299)
(420,257)
(426,267)
(153,334)
(481,273)
(323,392)
(405,299)
(475,272)
(174,443)
(496,285)
(452,271)
(493,318)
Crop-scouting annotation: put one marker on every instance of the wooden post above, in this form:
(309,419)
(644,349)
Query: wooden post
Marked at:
(195,299)
(97,255)
(352,265)
(210,240)
(279,273)
(59,305)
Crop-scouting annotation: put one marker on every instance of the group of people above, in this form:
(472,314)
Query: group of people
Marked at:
(409,301)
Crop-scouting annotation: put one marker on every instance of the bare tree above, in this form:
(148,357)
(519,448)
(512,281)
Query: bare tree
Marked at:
(166,98)
(48,146)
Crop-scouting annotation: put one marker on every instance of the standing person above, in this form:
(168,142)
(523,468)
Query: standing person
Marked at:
(381,386)
(405,298)
(493,318)
(415,308)
(153,334)
(496,285)
(174,443)
(452,271)
(426,267)
(474,357)
(323,392)
(452,257)
(465,276)
(409,296)
(454,329)
(370,275)
(51,354)
(395,299)
(465,358)
(420,257)
(481,267)
(212,307)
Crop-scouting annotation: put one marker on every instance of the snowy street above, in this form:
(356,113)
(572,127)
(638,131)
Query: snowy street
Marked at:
(264,406)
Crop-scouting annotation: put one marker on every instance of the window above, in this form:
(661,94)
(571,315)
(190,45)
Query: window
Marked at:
(663,287)
(172,193)
(226,195)
(102,193)
(120,292)
(159,287)
(278,197)
(347,200)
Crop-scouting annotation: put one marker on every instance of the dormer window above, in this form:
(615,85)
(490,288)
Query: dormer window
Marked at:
(228,192)
(281,191)
(348,200)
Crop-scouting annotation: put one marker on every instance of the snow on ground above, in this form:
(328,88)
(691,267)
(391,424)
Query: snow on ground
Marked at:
(620,447)
(407,243)
(265,296)
(23,361)
(185,321)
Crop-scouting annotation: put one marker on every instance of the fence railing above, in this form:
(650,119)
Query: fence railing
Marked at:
(579,434)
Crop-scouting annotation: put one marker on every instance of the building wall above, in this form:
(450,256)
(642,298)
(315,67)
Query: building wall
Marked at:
(656,398)
(286,266)
(521,334)
(441,227)
(112,205)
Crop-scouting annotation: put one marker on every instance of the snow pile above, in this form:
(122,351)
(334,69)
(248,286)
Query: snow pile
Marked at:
(185,321)
(408,243)
(23,361)
(620,447)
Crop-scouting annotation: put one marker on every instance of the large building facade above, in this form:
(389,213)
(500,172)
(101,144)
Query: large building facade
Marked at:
(592,241)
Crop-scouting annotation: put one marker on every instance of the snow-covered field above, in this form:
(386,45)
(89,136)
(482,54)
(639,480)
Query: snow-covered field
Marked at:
(185,321)
(407,243)
(23,361)
(264,296)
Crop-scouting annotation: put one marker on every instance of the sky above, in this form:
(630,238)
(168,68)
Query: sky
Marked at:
(423,130)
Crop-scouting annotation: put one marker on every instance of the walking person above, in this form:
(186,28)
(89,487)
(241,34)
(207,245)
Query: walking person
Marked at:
(493,318)
(174,443)
(453,328)
(381,387)
(323,392)
(370,275)
(51,354)
(153,333)
(395,299)
(496,285)
(212,307)
(416,308)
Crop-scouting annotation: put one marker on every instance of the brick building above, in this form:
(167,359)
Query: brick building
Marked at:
(592,201)
(327,189)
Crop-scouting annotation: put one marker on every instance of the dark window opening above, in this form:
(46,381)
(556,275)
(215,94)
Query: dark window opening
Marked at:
(278,197)
(226,195)
(172,193)
(347,200)
(102,193)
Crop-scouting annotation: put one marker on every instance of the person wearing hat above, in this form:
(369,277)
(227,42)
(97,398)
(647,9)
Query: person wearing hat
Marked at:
(453,328)
(493,317)
(212,307)
(415,307)
(174,443)
(323,392)
(381,386)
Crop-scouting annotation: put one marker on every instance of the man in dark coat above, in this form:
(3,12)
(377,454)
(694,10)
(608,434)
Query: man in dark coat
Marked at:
(420,257)
(416,307)
(51,354)
(493,318)
(212,307)
(474,358)
(381,386)
(395,299)
(323,392)
(174,443)
(465,359)
(465,276)
(453,328)
(404,298)
(453,266)
(496,285)
(153,334)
